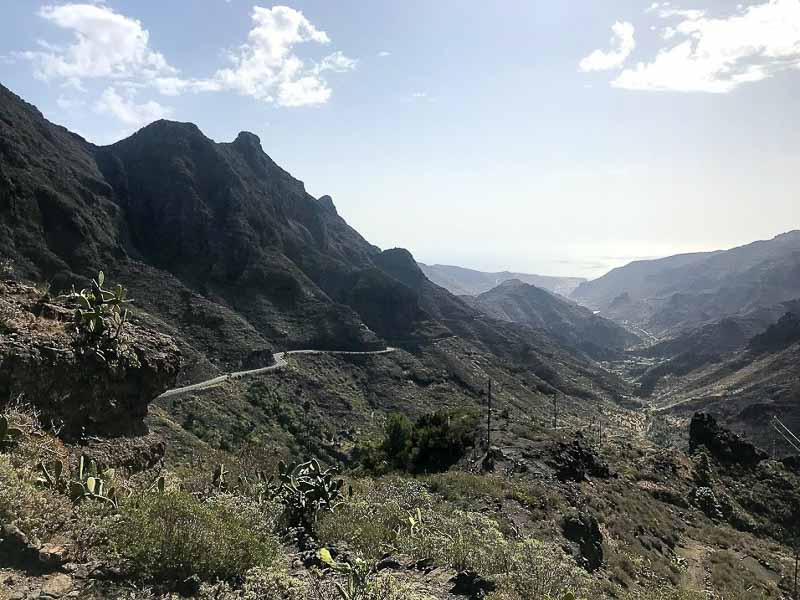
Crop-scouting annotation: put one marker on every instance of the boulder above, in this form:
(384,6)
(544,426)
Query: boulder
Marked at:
(472,585)
(74,391)
(724,445)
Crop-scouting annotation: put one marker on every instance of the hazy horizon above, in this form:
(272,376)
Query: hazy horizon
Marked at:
(553,138)
(592,267)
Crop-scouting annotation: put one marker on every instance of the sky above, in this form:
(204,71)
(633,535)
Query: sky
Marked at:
(560,137)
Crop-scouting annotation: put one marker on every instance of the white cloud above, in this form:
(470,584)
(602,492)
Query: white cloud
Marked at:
(303,92)
(623,44)
(175,86)
(336,62)
(384,53)
(717,55)
(115,49)
(69,104)
(106,44)
(668,33)
(267,68)
(127,110)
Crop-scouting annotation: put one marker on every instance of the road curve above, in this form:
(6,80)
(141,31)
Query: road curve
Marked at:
(280,363)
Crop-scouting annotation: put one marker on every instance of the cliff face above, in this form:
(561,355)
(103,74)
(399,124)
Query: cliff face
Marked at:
(217,243)
(77,393)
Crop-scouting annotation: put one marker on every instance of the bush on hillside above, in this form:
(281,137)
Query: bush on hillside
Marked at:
(173,536)
(37,512)
(397,515)
(434,443)
(539,570)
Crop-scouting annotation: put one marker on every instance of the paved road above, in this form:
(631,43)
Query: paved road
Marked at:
(678,403)
(280,363)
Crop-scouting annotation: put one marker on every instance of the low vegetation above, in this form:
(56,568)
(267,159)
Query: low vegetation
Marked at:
(229,538)
(171,536)
(418,514)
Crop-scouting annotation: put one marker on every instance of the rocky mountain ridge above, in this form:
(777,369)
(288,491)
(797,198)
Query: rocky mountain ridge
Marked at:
(225,251)
(671,295)
(574,325)
(470,282)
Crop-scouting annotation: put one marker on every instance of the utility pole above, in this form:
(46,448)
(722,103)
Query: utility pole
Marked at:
(599,418)
(555,411)
(796,561)
(600,431)
(489,418)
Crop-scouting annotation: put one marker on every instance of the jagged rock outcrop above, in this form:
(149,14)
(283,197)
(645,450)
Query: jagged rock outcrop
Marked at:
(724,445)
(76,392)
(576,461)
(583,530)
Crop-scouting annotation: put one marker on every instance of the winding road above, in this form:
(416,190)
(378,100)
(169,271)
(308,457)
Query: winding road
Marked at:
(280,363)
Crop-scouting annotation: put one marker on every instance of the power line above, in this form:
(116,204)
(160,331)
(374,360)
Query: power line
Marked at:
(786,438)
(786,429)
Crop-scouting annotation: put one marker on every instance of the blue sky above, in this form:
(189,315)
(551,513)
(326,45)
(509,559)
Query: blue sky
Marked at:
(559,137)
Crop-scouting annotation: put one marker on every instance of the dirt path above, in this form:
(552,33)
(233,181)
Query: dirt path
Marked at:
(280,363)
(695,555)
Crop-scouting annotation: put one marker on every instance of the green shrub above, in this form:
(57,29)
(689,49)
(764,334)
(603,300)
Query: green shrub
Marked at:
(369,521)
(461,487)
(442,438)
(434,443)
(259,584)
(398,441)
(173,536)
(383,587)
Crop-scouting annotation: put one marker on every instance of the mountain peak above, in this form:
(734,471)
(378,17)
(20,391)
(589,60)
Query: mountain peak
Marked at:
(248,141)
(327,203)
(166,130)
(512,284)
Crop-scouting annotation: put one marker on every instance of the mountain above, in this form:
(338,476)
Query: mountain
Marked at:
(227,253)
(678,293)
(216,240)
(569,322)
(468,282)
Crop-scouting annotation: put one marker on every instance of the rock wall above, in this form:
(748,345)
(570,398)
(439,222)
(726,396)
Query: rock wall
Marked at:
(77,394)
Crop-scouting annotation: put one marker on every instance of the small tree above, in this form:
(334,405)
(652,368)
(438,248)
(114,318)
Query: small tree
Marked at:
(398,443)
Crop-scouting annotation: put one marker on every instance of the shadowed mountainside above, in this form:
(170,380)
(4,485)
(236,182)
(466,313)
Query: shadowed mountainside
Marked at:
(226,252)
(216,241)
